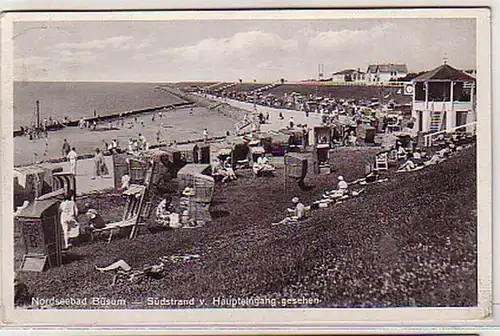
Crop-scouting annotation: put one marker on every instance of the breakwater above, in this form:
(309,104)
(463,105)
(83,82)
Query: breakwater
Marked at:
(123,114)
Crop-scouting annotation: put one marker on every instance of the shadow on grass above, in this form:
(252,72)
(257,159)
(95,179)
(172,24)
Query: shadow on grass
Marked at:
(69,257)
(219,213)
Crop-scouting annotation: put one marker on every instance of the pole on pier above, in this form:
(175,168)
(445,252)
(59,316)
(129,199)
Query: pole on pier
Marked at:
(38,114)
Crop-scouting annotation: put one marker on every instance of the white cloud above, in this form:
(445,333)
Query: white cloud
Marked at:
(243,45)
(117,42)
(340,38)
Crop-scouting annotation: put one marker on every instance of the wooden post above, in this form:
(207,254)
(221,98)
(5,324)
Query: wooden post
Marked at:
(453,115)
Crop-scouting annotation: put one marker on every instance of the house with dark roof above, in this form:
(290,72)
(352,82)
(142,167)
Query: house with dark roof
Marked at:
(349,75)
(385,72)
(443,99)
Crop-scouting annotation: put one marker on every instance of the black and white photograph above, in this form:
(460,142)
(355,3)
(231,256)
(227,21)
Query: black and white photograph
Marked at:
(249,161)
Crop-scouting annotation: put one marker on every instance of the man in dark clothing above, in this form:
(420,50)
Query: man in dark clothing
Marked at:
(66,148)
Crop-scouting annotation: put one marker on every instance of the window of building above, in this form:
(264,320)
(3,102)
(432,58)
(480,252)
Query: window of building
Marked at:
(419,91)
(439,91)
(461,93)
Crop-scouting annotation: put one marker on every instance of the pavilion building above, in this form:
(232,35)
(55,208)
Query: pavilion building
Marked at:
(443,99)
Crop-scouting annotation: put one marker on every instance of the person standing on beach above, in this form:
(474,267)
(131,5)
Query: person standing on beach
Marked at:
(205,135)
(46,145)
(65,148)
(158,135)
(100,168)
(69,212)
(72,157)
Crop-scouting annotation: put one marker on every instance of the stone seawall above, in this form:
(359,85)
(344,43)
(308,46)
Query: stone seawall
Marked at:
(223,108)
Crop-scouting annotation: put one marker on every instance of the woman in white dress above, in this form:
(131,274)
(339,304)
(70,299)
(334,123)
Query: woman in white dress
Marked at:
(69,212)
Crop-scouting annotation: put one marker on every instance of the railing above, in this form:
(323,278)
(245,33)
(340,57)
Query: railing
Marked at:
(428,137)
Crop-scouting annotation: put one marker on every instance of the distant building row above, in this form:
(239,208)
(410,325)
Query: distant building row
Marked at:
(377,73)
(374,73)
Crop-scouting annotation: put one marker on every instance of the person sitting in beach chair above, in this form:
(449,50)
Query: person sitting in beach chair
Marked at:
(94,222)
(262,166)
(402,154)
(229,168)
(298,213)
(218,171)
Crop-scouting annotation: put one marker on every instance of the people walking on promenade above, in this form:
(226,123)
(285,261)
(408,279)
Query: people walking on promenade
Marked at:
(72,158)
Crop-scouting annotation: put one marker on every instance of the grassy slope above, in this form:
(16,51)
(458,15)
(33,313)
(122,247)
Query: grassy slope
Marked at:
(410,241)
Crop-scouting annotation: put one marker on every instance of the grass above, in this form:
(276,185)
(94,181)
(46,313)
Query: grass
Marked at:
(407,242)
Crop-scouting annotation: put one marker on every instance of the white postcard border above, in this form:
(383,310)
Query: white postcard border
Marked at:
(266,317)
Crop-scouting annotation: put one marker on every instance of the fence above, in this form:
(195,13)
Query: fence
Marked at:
(428,138)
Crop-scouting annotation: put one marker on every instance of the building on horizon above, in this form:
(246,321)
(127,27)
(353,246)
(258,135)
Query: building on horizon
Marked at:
(349,75)
(385,72)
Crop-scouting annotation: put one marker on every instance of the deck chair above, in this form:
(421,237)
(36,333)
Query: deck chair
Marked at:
(66,181)
(381,162)
(131,216)
(136,208)
(392,156)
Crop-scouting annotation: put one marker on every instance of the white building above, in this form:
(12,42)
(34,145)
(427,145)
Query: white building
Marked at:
(349,75)
(443,98)
(385,72)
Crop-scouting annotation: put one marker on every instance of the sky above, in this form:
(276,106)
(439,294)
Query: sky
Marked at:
(227,50)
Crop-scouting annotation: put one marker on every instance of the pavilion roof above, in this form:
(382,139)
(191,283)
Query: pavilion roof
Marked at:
(444,72)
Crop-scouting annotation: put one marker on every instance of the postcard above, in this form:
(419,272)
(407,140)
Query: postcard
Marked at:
(246,168)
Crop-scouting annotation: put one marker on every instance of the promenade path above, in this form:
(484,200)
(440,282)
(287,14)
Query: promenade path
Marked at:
(84,171)
(275,123)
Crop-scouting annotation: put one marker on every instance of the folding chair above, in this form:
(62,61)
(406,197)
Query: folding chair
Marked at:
(131,216)
(381,162)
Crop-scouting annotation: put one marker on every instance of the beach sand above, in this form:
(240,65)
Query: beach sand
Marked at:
(179,125)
